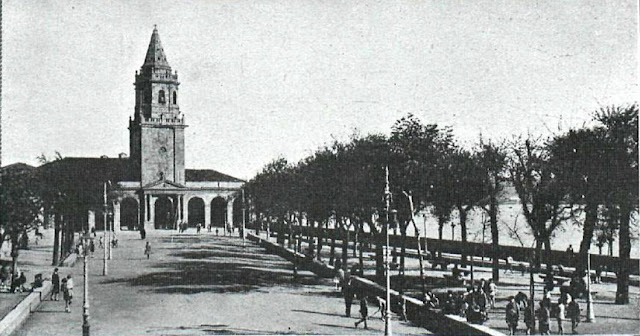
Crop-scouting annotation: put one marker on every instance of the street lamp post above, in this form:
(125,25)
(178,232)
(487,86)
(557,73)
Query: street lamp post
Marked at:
(591,315)
(85,305)
(104,232)
(243,219)
(387,268)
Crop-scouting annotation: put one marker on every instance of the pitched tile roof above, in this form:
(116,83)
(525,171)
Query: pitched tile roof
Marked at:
(208,175)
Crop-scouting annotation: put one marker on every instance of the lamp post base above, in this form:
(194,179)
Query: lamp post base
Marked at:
(591,316)
(85,330)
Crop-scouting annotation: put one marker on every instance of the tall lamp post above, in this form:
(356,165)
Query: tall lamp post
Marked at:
(104,232)
(591,315)
(243,218)
(387,268)
(85,301)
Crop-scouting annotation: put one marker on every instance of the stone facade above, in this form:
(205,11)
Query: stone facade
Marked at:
(165,196)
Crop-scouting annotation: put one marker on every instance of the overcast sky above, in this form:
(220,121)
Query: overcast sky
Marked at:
(262,79)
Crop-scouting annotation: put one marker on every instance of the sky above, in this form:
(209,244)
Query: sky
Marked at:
(264,79)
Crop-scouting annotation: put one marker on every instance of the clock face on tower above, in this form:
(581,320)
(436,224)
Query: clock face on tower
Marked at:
(163,150)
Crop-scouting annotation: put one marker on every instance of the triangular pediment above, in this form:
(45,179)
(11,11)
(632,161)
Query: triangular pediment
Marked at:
(163,185)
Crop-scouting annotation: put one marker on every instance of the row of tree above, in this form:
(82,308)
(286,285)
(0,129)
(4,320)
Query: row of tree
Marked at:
(588,175)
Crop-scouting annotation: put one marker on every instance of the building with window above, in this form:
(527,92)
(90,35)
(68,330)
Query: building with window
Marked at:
(150,188)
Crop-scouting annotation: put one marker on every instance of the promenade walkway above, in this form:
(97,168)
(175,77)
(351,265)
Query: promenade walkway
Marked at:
(200,285)
(610,318)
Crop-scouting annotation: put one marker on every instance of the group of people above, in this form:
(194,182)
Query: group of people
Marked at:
(15,284)
(565,308)
(474,303)
(65,286)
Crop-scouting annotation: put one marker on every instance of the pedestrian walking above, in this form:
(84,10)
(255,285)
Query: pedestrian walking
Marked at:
(364,312)
(198,227)
(100,243)
(559,314)
(544,318)
(573,313)
(347,290)
(512,315)
(492,291)
(4,277)
(92,247)
(67,292)
(529,320)
(55,285)
(147,250)
(509,265)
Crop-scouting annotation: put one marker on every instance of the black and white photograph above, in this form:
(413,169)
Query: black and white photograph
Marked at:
(319,167)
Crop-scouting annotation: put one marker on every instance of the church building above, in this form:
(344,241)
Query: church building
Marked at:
(151,189)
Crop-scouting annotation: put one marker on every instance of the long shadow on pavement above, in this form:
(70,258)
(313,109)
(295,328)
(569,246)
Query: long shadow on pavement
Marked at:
(196,274)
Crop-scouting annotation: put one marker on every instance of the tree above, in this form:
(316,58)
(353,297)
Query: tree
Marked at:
(491,158)
(579,157)
(542,196)
(21,207)
(620,125)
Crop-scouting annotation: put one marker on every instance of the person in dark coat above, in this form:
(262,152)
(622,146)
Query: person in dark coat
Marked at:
(544,318)
(55,285)
(348,292)
(512,315)
(364,312)
(573,313)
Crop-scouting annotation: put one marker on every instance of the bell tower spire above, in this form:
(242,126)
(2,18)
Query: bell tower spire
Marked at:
(156,130)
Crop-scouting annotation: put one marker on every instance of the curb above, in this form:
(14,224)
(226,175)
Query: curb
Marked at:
(70,260)
(12,321)
(438,323)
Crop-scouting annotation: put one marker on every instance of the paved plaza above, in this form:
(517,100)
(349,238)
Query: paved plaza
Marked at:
(200,285)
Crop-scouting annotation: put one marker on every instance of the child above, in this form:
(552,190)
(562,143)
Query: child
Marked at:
(147,250)
(364,312)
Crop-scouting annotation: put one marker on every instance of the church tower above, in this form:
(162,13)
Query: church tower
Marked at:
(156,131)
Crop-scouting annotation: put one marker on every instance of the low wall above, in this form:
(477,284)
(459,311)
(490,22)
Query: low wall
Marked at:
(12,321)
(70,260)
(518,253)
(431,320)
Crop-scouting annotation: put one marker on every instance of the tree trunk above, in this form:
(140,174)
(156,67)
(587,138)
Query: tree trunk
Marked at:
(547,255)
(345,249)
(361,256)
(538,254)
(495,243)
(622,272)
(463,233)
(320,234)
(441,223)
(56,239)
(332,252)
(591,217)
(14,259)
(403,248)
(355,243)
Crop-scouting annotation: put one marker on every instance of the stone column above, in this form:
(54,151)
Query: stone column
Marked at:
(116,216)
(152,213)
(230,212)
(91,219)
(207,214)
(185,209)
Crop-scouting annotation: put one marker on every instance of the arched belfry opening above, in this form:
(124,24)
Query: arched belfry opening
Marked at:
(196,212)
